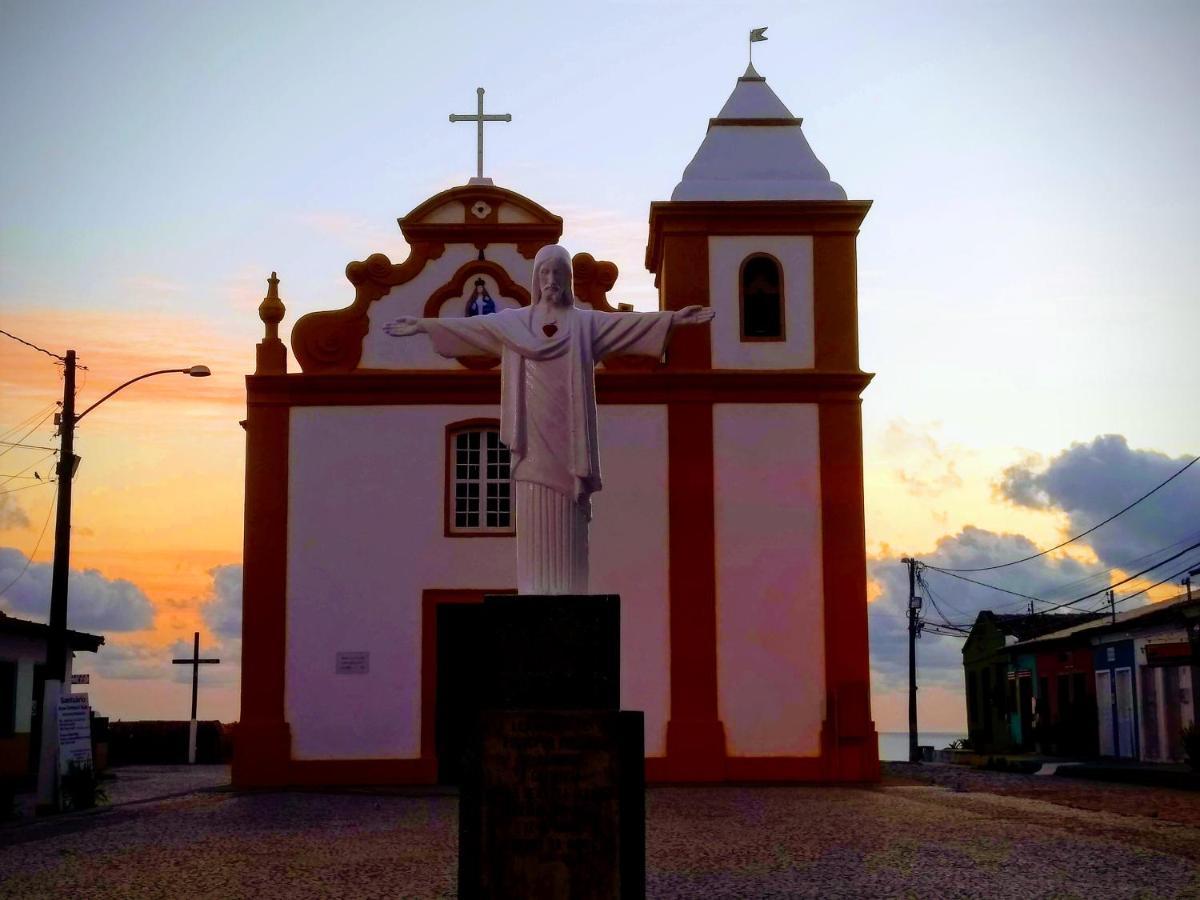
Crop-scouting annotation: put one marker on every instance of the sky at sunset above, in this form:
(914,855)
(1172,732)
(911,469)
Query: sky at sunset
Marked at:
(1027,274)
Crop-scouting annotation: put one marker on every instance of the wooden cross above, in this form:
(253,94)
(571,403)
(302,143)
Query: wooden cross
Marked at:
(195,662)
(479,118)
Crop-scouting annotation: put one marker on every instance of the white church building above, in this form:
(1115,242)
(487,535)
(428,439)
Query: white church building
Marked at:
(378,502)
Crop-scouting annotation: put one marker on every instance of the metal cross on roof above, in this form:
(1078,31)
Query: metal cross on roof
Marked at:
(480,118)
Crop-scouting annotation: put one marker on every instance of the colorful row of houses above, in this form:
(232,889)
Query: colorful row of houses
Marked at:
(1084,685)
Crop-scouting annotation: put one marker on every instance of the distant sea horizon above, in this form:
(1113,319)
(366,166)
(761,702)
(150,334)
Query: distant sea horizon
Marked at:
(893,745)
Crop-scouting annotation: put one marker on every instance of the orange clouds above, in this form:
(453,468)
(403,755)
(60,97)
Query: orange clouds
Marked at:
(158,494)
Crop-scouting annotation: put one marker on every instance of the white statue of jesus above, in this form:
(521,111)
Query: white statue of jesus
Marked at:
(548,352)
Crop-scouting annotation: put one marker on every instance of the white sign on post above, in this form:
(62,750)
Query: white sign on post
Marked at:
(74,731)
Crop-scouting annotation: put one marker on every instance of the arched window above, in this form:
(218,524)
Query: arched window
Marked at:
(762,299)
(478,489)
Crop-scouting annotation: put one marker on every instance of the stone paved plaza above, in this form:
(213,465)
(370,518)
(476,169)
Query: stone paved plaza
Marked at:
(977,837)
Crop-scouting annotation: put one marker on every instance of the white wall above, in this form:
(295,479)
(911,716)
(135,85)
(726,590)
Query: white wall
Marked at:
(628,539)
(365,539)
(725,256)
(770,622)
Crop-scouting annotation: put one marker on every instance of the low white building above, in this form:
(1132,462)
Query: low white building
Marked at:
(22,661)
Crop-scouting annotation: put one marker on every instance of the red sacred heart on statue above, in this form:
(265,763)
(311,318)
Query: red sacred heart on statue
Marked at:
(550,328)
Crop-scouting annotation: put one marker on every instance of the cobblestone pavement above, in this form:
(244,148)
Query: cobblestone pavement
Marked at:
(1127,799)
(901,839)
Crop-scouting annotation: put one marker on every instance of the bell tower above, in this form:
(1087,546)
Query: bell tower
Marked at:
(757,230)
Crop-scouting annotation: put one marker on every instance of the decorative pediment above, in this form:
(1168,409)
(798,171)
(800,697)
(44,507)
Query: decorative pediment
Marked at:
(482,214)
(331,341)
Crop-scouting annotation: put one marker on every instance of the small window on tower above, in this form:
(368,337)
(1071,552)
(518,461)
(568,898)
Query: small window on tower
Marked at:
(762,299)
(478,490)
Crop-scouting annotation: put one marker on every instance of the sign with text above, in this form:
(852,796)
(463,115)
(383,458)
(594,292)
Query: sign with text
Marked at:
(81,678)
(74,731)
(353,662)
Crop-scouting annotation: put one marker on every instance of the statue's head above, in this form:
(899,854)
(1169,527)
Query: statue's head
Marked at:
(552,277)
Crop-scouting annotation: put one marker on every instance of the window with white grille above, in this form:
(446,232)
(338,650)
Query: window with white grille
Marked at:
(479,489)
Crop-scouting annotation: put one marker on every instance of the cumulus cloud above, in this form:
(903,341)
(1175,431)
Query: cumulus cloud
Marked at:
(940,656)
(95,603)
(925,467)
(12,515)
(1091,481)
(132,661)
(222,612)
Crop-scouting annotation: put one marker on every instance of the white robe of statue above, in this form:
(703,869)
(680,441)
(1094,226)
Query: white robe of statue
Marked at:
(548,352)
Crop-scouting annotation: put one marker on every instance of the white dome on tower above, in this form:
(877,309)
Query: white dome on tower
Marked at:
(755,150)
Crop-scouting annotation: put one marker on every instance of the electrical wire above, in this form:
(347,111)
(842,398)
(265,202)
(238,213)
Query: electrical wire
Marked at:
(27,446)
(26,421)
(33,552)
(1159,583)
(21,474)
(983,584)
(933,602)
(1125,580)
(1106,574)
(61,359)
(26,487)
(27,434)
(1081,534)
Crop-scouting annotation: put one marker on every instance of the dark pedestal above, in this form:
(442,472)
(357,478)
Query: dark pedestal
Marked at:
(552,652)
(552,799)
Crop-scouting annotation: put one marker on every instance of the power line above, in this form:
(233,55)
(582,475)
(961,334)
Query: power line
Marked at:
(26,487)
(933,602)
(27,446)
(61,359)
(26,421)
(1081,534)
(983,584)
(1106,574)
(21,474)
(33,552)
(1125,580)
(1055,606)
(1159,583)
(27,434)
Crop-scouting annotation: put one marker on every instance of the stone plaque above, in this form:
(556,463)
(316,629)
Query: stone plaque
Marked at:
(352,662)
(553,806)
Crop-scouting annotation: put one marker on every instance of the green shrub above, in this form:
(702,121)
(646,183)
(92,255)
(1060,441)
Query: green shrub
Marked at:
(1191,745)
(81,789)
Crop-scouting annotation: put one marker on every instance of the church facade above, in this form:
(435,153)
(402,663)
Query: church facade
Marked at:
(379,508)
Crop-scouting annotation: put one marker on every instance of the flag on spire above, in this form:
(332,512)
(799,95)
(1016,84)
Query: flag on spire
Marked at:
(758,34)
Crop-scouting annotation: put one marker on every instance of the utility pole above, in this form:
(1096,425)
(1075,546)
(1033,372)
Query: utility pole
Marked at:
(56,640)
(1112,605)
(914,611)
(56,643)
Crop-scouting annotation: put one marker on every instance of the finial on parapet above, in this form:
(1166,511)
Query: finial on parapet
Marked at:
(272,354)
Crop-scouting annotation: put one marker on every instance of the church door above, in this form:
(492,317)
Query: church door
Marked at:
(459,677)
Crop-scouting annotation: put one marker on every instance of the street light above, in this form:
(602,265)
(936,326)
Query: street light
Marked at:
(56,644)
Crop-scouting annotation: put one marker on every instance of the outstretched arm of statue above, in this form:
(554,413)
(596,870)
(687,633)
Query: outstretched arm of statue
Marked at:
(452,337)
(694,315)
(404,326)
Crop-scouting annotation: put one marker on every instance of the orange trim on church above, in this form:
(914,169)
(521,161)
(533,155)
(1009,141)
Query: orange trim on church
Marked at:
(262,745)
